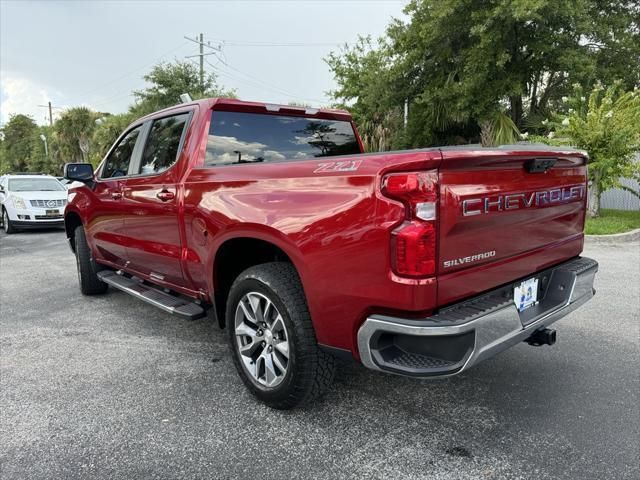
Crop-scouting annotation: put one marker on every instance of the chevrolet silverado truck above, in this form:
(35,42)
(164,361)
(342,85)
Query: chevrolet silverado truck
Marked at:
(419,262)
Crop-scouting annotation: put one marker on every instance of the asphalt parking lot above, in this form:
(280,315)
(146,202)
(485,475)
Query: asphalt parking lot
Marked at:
(109,387)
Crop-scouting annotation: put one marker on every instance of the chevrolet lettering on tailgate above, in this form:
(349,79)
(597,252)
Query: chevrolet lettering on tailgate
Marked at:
(513,201)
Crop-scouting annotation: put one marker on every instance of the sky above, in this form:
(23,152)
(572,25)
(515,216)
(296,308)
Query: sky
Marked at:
(95,53)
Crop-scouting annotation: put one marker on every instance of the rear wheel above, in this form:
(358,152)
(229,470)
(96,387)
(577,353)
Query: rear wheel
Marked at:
(7,224)
(88,269)
(272,339)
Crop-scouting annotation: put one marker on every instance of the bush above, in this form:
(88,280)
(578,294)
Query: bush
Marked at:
(607,126)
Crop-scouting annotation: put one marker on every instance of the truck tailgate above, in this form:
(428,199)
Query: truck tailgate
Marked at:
(505,214)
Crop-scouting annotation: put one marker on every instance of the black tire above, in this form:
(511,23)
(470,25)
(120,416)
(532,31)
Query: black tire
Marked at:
(88,269)
(310,370)
(7,224)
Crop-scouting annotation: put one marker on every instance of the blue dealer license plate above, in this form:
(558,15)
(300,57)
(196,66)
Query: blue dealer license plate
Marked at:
(525,294)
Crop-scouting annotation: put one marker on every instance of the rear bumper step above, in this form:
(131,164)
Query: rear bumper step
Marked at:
(167,302)
(468,332)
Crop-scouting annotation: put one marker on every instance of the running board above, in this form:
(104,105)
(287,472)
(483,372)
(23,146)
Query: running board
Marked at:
(152,295)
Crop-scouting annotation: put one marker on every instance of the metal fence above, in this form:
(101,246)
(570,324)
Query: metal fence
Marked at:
(619,199)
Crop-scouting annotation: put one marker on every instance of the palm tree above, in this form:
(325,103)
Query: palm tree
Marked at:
(74,131)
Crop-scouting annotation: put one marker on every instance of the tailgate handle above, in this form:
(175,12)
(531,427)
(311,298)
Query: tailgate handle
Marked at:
(539,165)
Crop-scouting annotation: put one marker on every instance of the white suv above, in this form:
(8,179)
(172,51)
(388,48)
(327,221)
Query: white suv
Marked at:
(31,201)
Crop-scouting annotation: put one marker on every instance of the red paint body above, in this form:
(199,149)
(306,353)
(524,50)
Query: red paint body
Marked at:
(334,226)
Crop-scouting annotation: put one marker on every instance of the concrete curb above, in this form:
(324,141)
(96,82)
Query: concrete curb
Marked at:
(632,236)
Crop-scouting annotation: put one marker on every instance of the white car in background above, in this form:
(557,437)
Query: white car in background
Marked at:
(31,201)
(65,183)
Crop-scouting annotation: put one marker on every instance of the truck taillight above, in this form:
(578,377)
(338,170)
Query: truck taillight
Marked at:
(413,243)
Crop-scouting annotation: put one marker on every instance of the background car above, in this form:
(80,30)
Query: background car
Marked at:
(65,183)
(31,201)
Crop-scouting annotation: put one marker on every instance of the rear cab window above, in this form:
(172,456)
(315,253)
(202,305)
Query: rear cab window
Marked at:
(240,138)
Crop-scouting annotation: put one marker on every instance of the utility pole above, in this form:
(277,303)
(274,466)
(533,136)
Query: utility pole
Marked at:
(50,112)
(201,60)
(199,39)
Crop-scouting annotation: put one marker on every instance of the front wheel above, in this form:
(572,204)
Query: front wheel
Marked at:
(88,269)
(7,224)
(272,339)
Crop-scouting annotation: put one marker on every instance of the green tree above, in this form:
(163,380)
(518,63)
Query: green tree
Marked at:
(107,132)
(607,126)
(464,66)
(20,135)
(73,133)
(170,80)
(363,72)
(42,159)
(4,167)
(377,132)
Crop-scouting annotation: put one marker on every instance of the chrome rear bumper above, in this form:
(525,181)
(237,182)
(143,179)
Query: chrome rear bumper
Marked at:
(466,333)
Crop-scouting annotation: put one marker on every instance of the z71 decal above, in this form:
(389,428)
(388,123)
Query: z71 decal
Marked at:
(332,167)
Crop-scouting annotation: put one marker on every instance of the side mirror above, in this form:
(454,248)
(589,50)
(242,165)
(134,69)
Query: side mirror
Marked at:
(79,172)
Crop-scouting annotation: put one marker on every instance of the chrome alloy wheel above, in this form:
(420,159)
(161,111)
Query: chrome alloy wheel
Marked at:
(262,339)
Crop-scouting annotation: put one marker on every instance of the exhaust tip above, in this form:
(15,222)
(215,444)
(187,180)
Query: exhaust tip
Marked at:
(543,336)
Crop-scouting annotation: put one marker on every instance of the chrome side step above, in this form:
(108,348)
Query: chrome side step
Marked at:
(152,295)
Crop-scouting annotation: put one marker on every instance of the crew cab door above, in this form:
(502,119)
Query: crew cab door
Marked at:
(151,200)
(105,226)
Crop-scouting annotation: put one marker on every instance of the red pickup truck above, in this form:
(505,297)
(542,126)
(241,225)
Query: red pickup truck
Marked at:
(420,262)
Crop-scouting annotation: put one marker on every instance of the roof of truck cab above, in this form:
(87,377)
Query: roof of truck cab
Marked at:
(233,104)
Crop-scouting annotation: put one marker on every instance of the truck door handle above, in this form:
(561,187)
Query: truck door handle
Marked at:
(166,195)
(116,195)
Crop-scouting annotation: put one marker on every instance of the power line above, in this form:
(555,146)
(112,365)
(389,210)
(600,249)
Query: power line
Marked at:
(201,55)
(131,72)
(266,83)
(119,95)
(50,107)
(251,81)
(111,99)
(218,52)
(279,44)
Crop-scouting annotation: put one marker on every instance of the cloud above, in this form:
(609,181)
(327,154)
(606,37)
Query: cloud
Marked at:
(21,95)
(273,155)
(220,142)
(221,149)
(303,140)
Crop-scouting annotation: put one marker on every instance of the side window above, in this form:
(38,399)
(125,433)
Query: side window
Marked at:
(163,142)
(117,164)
